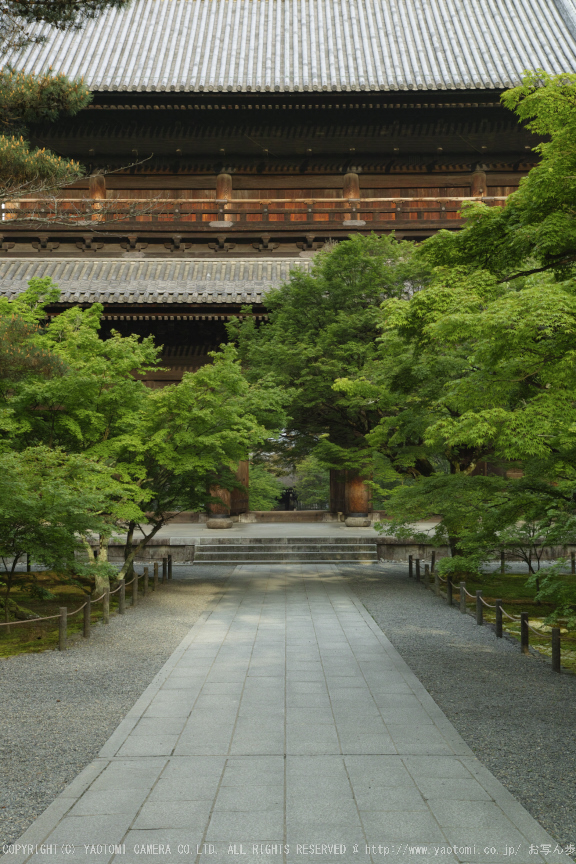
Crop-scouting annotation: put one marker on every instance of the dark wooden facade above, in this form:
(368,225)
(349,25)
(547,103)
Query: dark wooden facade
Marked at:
(269,175)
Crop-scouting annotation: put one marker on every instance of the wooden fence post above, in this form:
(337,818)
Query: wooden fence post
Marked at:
(556,652)
(417,562)
(135,589)
(87,617)
(449,591)
(433,561)
(524,633)
(436,583)
(169,566)
(573,562)
(155,575)
(145,581)
(62,628)
(479,608)
(122,598)
(463,597)
(164,570)
(106,607)
(498,604)
(426,576)
(410,567)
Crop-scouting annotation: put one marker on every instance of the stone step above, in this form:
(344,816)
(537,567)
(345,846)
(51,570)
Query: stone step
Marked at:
(221,557)
(285,541)
(278,547)
(290,561)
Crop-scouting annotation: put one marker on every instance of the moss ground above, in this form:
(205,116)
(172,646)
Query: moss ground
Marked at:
(31,636)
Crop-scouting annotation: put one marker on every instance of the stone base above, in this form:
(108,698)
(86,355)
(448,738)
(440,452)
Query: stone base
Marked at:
(357,522)
(219,523)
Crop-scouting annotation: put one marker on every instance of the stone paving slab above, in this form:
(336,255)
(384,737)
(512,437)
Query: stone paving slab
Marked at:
(285,727)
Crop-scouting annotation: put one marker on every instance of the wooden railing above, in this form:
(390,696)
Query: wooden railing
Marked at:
(206,214)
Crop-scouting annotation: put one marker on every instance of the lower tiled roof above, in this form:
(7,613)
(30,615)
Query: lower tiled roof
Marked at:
(234,280)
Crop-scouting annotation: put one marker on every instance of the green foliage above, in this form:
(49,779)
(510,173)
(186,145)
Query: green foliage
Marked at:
(536,230)
(265,489)
(20,356)
(48,499)
(323,326)
(67,390)
(30,305)
(85,404)
(191,436)
(519,395)
(476,369)
(25,170)
(28,98)
(554,585)
(312,483)
(409,382)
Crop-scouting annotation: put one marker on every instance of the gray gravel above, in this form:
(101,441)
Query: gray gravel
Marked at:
(58,709)
(513,711)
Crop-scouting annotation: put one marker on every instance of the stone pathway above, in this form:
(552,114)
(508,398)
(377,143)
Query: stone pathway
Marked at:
(284,728)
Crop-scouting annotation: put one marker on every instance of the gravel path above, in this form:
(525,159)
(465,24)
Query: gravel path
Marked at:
(513,711)
(58,709)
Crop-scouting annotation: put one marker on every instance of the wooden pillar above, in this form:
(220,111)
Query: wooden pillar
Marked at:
(224,190)
(358,495)
(478,187)
(239,498)
(351,189)
(97,191)
(337,491)
(351,186)
(220,502)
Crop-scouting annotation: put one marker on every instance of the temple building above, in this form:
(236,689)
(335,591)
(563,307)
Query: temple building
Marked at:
(229,140)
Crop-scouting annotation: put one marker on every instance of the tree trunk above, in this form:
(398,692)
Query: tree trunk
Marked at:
(103,547)
(130,556)
(127,569)
(453,543)
(89,551)
(9,579)
(101,583)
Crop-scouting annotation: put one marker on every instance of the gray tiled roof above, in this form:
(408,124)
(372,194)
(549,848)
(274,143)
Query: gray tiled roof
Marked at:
(152,281)
(307,45)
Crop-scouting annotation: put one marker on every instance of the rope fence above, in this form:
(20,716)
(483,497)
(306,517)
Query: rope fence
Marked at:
(64,615)
(415,569)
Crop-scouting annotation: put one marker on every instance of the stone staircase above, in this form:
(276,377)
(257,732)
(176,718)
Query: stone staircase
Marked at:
(275,550)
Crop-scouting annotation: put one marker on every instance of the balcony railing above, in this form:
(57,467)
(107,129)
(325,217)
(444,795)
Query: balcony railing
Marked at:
(238,215)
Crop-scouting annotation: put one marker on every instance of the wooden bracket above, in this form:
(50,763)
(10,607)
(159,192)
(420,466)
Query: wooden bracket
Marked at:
(43,245)
(221,245)
(88,244)
(132,245)
(310,244)
(176,244)
(265,245)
